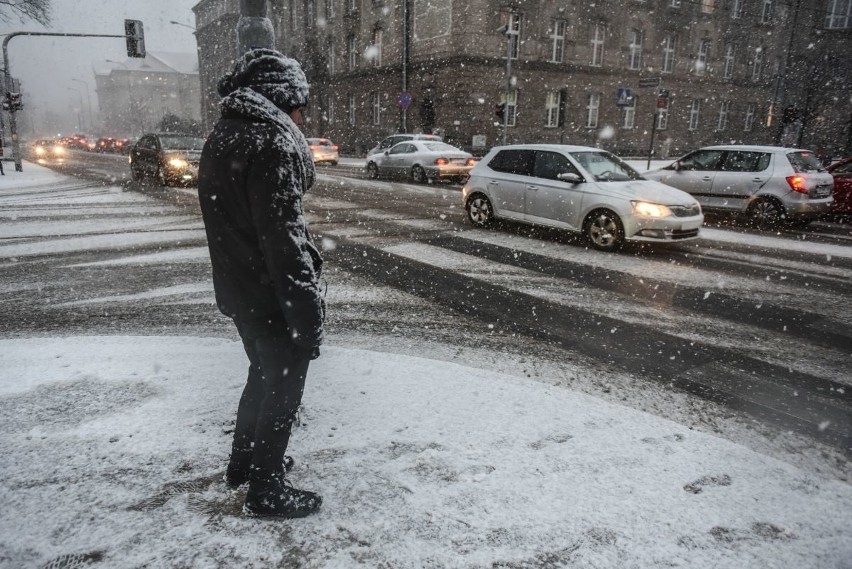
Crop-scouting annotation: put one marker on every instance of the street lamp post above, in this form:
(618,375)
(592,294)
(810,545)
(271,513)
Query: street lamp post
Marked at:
(254,29)
(80,113)
(182,25)
(88,101)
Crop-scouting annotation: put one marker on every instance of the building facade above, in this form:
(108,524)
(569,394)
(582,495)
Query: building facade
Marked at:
(582,72)
(134,95)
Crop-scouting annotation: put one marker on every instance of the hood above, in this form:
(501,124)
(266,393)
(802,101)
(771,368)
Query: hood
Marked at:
(253,106)
(647,190)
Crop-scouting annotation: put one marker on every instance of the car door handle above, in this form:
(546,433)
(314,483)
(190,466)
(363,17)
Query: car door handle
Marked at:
(757,179)
(533,188)
(706,178)
(494,182)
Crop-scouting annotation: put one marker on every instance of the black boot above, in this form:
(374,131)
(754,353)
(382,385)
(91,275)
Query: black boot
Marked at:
(277,498)
(238,470)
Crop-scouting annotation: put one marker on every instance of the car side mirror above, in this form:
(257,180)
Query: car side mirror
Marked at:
(677,167)
(570,177)
(387,152)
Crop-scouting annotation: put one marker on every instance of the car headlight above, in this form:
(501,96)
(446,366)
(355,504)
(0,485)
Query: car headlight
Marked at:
(39,150)
(647,209)
(59,150)
(178,163)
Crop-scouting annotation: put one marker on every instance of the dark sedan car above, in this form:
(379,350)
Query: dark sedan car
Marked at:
(842,172)
(168,159)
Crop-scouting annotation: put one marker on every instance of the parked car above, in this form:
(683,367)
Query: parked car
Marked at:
(841,171)
(395,139)
(581,189)
(324,150)
(48,149)
(169,159)
(769,184)
(421,161)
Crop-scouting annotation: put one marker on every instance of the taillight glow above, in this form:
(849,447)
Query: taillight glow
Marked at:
(334,147)
(442,161)
(471,161)
(798,184)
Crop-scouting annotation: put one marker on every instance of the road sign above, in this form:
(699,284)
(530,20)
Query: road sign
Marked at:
(649,82)
(624,97)
(405,100)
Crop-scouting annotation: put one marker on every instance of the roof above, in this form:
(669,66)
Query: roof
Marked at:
(754,148)
(153,62)
(562,147)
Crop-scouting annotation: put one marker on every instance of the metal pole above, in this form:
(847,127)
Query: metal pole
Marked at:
(81,113)
(88,101)
(780,84)
(653,132)
(508,80)
(254,29)
(13,123)
(404,111)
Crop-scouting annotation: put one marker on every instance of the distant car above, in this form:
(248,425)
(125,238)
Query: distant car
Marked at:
(581,189)
(168,159)
(395,139)
(769,184)
(76,142)
(842,173)
(324,150)
(421,161)
(48,149)
(112,145)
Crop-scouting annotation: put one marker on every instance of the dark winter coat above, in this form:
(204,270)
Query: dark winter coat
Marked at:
(255,168)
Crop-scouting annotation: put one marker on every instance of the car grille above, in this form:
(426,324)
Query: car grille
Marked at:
(685,211)
(684,233)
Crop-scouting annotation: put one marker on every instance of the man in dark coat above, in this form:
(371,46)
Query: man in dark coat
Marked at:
(255,168)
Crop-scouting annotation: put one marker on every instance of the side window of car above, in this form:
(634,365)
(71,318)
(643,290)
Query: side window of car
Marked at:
(705,160)
(741,161)
(147,143)
(398,149)
(550,164)
(843,169)
(513,162)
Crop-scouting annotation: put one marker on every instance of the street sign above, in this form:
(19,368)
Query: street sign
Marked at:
(649,82)
(405,100)
(624,98)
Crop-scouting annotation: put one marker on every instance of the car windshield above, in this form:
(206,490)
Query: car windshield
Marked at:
(439,147)
(182,142)
(319,142)
(803,162)
(605,167)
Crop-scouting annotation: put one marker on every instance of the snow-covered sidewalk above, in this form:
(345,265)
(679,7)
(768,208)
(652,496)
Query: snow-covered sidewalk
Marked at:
(113,451)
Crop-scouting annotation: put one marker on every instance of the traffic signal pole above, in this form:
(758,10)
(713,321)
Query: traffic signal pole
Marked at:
(13,123)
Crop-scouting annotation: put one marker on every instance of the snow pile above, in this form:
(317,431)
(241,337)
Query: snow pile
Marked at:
(113,450)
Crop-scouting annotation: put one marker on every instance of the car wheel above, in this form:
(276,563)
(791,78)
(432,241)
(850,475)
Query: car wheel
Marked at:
(418,175)
(372,170)
(135,174)
(765,213)
(333,163)
(479,210)
(604,230)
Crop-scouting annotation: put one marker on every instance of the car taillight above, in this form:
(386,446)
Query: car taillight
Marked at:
(334,147)
(442,161)
(797,183)
(314,147)
(471,162)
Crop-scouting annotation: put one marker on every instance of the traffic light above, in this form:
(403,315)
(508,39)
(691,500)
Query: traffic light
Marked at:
(13,102)
(499,109)
(135,35)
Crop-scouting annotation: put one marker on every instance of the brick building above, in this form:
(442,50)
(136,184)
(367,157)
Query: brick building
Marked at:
(730,69)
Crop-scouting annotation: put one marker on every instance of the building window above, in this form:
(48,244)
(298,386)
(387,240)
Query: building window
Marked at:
(352,5)
(839,14)
(729,61)
(376,103)
(707,6)
(513,20)
(329,9)
(351,109)
(766,13)
(332,59)
(636,40)
(628,115)
(724,107)
(737,9)
(694,114)
(674,3)
(291,9)
(375,51)
(598,35)
(757,64)
(511,103)
(329,109)
(352,52)
(592,109)
(703,57)
(668,54)
(557,35)
(551,107)
(663,118)
(749,118)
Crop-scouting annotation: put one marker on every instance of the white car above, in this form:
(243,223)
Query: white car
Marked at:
(324,150)
(578,188)
(421,161)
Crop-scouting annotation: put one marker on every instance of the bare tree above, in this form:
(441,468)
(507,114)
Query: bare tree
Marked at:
(38,10)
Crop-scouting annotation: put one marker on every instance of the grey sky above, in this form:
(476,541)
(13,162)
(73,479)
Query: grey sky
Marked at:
(47,65)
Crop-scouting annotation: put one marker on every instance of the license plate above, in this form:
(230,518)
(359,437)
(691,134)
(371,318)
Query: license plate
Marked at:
(823,192)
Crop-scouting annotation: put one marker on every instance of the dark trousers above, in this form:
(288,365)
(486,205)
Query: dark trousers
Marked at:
(270,400)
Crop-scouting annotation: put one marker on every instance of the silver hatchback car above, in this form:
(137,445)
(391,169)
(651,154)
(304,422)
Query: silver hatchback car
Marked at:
(578,188)
(769,184)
